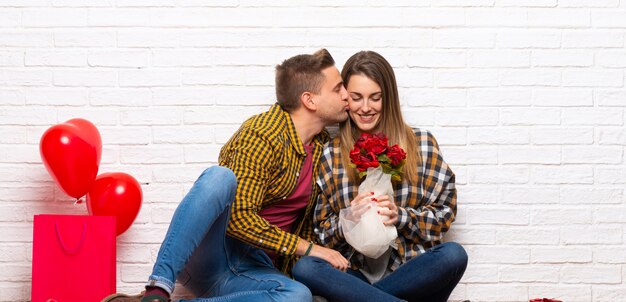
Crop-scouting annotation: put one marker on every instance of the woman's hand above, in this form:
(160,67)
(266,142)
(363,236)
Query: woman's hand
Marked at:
(388,208)
(361,203)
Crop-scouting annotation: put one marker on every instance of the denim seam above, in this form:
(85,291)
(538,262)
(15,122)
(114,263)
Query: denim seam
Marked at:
(229,296)
(227,252)
(243,274)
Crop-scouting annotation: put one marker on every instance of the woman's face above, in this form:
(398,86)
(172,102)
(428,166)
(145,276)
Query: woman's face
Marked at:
(365,103)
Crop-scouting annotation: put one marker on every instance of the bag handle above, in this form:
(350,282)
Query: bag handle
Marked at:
(64,246)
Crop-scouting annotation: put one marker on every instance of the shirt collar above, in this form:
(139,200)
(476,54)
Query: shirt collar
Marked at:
(319,139)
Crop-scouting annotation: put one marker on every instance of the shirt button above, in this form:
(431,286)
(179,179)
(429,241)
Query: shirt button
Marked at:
(260,240)
(298,174)
(285,197)
(284,249)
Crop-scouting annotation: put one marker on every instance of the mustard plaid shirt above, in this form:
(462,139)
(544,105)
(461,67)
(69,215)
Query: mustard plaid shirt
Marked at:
(426,210)
(266,155)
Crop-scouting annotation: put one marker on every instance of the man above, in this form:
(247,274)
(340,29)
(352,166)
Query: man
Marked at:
(266,171)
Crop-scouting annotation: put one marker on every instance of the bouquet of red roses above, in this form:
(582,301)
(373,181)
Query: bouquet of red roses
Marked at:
(362,224)
(372,151)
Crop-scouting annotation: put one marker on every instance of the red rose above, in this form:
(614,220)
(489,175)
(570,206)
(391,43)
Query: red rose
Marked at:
(373,143)
(363,161)
(354,155)
(360,142)
(372,151)
(381,136)
(368,160)
(396,154)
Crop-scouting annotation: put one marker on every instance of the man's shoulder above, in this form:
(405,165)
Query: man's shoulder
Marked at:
(258,132)
(267,124)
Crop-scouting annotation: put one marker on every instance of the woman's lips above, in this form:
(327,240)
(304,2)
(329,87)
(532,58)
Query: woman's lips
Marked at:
(366,118)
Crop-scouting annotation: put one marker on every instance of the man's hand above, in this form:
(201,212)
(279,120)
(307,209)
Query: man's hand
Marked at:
(331,256)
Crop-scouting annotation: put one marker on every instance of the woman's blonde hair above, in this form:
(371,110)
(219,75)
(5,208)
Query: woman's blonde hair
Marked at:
(391,123)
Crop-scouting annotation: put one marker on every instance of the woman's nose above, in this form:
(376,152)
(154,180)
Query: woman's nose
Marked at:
(366,106)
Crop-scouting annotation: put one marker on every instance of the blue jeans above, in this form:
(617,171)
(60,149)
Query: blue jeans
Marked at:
(197,252)
(429,277)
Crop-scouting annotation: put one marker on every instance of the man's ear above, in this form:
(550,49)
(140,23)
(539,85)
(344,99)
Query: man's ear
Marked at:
(306,99)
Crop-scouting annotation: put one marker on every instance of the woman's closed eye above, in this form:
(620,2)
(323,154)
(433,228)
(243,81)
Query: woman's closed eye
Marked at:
(373,98)
(376,97)
(356,97)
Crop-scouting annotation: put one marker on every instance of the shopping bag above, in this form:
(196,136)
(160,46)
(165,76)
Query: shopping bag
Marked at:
(73,258)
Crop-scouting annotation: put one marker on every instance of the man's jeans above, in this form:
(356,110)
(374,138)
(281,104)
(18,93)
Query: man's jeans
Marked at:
(429,277)
(197,251)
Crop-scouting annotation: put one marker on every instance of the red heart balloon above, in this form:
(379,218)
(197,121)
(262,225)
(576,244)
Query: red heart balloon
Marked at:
(71,152)
(115,194)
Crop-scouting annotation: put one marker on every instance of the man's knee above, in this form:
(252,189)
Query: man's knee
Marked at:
(218,175)
(213,190)
(218,180)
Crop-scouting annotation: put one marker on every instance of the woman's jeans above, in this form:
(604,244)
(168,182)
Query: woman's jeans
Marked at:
(429,277)
(197,252)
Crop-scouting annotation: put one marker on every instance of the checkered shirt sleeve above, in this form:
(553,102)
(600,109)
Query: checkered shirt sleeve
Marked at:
(428,219)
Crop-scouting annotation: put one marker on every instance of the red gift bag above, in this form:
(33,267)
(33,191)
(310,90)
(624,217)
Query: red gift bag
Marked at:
(73,258)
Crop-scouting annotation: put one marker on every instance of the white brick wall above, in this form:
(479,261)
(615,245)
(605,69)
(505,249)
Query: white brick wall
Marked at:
(527,99)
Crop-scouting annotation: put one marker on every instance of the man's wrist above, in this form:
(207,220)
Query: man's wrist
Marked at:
(308,250)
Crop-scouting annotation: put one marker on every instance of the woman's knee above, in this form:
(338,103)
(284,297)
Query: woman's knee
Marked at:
(456,255)
(305,268)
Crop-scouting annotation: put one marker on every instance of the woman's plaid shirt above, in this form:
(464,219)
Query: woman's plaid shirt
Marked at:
(426,210)
(266,155)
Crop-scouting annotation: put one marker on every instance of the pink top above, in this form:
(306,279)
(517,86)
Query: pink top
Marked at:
(284,213)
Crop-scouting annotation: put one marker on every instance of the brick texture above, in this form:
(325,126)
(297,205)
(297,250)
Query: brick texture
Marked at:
(526,98)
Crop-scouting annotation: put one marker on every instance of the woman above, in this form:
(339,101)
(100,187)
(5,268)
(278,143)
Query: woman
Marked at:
(422,210)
